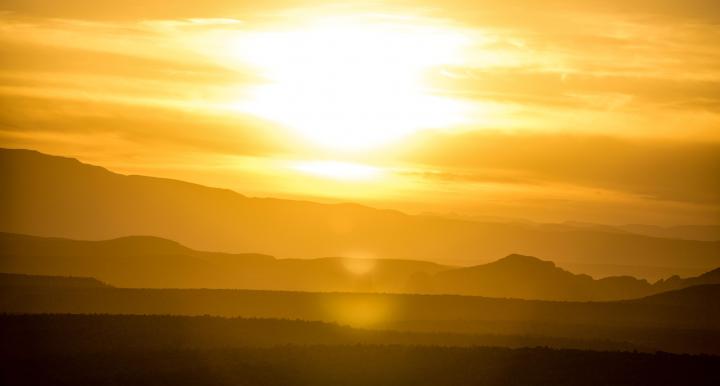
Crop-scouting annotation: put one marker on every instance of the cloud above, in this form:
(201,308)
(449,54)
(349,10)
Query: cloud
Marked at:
(143,9)
(36,122)
(580,90)
(657,169)
(593,101)
(27,59)
(484,177)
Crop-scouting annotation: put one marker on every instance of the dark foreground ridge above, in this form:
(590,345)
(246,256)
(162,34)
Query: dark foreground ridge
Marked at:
(686,322)
(72,333)
(357,365)
(177,350)
(15,280)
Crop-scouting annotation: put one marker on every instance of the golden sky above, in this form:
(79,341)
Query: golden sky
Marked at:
(601,111)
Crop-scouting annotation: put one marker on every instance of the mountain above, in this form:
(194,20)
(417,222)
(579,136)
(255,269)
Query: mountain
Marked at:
(649,273)
(38,281)
(62,197)
(683,232)
(151,262)
(527,277)
(705,296)
(675,282)
(687,232)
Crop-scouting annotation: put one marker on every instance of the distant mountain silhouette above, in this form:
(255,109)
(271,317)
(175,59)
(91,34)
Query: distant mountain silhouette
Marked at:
(705,296)
(151,262)
(683,232)
(55,196)
(686,232)
(20,280)
(675,282)
(528,277)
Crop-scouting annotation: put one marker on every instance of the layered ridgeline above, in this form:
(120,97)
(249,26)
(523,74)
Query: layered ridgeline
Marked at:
(150,262)
(54,196)
(11,280)
(686,320)
(685,232)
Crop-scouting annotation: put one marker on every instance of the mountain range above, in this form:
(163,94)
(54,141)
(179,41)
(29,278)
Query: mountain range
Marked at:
(151,262)
(685,232)
(683,321)
(46,195)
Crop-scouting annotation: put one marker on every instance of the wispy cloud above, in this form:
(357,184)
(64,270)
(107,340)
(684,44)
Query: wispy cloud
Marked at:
(590,102)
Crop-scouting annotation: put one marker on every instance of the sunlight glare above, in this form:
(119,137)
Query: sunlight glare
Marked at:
(351,83)
(358,267)
(337,170)
(360,311)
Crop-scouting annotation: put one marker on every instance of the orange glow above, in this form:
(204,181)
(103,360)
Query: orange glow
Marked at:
(417,107)
(306,192)
(338,170)
(349,83)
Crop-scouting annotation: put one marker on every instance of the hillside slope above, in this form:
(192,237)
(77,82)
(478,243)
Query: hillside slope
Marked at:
(54,196)
(151,262)
(40,281)
(527,277)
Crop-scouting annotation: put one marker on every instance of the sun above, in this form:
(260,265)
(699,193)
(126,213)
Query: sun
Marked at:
(349,83)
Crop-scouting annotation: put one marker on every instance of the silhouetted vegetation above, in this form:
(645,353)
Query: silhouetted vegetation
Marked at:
(354,365)
(70,332)
(691,326)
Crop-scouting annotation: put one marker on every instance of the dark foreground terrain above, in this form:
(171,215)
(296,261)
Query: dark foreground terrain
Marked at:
(354,365)
(684,321)
(74,331)
(175,350)
(77,332)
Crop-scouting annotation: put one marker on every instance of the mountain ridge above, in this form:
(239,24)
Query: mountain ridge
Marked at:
(129,262)
(90,202)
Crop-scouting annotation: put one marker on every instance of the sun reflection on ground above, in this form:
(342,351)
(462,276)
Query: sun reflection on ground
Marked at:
(362,311)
